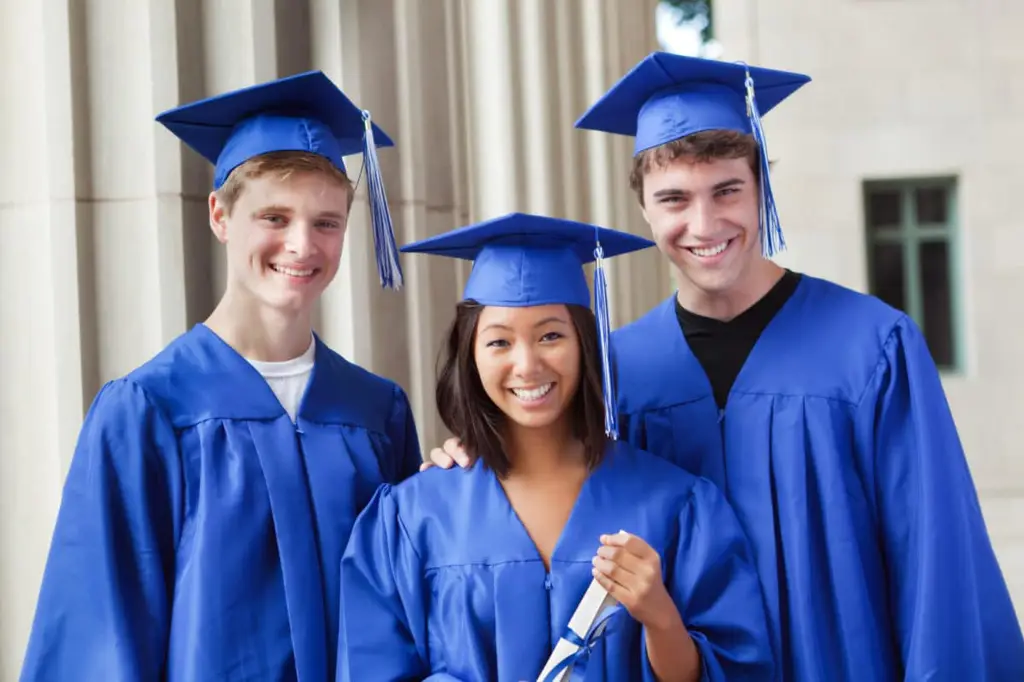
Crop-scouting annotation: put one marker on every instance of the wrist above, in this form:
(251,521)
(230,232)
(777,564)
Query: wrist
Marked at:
(665,619)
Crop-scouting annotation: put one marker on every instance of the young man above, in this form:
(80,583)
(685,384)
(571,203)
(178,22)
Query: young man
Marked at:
(213,489)
(817,410)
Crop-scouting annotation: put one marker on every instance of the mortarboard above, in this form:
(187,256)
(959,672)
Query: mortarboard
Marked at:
(667,97)
(306,112)
(521,260)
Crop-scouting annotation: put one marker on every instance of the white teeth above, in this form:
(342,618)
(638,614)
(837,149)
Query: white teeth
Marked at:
(284,270)
(533,393)
(713,251)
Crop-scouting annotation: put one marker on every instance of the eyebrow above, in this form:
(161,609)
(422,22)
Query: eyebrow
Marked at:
(541,323)
(675,192)
(284,209)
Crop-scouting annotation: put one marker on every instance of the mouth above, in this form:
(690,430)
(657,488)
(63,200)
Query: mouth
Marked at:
(709,252)
(297,273)
(532,395)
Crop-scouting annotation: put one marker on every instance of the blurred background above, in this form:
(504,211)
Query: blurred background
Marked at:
(897,172)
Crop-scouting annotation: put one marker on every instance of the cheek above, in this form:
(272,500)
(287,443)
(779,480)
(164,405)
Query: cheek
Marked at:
(333,243)
(489,370)
(666,226)
(566,362)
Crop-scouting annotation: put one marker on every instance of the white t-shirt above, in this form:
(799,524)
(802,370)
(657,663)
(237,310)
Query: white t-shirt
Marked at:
(288,379)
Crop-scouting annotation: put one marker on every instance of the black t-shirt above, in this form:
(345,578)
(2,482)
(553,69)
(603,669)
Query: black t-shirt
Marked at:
(723,347)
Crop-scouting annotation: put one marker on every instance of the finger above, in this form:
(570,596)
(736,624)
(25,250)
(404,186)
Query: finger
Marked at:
(453,448)
(622,557)
(633,543)
(439,458)
(617,591)
(426,465)
(615,572)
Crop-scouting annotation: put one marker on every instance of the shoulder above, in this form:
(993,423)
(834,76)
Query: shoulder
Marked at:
(637,334)
(372,388)
(645,475)
(638,368)
(824,343)
(435,492)
(344,392)
(180,379)
(825,304)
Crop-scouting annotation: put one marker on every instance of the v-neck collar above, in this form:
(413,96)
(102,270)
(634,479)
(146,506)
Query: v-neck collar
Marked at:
(579,538)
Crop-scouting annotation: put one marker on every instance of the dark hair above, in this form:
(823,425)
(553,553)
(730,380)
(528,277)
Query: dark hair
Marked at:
(469,413)
(703,147)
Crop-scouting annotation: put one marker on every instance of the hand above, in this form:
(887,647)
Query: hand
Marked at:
(451,454)
(630,570)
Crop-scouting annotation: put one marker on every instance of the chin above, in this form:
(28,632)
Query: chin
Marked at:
(533,421)
(290,301)
(712,282)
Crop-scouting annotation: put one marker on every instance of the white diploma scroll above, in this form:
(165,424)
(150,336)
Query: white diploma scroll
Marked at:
(595,600)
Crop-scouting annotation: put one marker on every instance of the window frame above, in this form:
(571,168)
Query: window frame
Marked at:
(910,233)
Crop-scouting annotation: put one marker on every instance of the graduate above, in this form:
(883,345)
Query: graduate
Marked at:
(213,489)
(473,574)
(818,410)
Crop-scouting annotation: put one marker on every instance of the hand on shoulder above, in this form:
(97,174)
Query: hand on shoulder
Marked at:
(447,455)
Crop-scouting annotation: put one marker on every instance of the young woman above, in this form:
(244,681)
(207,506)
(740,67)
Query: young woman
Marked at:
(474,574)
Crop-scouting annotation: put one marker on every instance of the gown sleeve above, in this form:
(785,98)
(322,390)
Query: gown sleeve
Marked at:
(950,605)
(712,579)
(383,600)
(103,611)
(405,444)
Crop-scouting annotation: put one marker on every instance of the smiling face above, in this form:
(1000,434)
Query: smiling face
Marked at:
(283,233)
(701,197)
(528,360)
(704,217)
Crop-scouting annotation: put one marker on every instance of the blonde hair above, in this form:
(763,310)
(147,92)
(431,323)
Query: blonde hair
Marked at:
(282,165)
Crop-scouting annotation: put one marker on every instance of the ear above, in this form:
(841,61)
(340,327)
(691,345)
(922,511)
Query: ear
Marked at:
(218,218)
(643,212)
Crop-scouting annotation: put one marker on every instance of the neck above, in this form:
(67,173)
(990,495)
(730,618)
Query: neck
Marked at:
(728,304)
(260,334)
(538,451)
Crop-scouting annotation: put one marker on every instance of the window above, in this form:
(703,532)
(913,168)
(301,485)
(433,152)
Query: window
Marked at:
(911,230)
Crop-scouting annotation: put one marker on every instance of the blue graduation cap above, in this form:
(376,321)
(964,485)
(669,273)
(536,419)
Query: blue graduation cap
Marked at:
(667,97)
(521,259)
(306,112)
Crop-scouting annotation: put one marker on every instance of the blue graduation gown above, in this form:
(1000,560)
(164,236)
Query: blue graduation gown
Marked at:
(839,454)
(440,580)
(200,530)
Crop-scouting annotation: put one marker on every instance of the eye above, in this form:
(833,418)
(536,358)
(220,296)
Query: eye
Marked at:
(727,191)
(497,343)
(328,225)
(552,336)
(273,219)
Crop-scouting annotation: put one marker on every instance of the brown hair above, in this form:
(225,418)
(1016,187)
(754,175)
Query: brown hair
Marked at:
(469,413)
(283,165)
(700,147)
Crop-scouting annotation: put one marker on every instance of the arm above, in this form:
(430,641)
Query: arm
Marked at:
(951,609)
(383,599)
(104,605)
(714,584)
(405,445)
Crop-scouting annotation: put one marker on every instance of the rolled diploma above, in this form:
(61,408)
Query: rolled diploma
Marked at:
(594,601)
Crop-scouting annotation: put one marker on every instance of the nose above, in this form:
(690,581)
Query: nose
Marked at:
(527,361)
(702,219)
(299,240)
